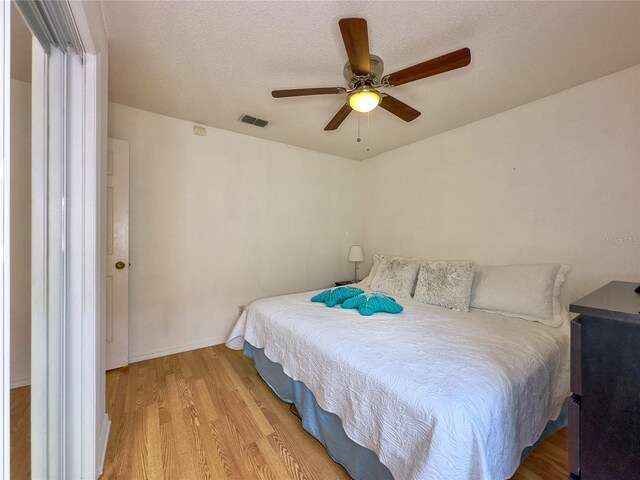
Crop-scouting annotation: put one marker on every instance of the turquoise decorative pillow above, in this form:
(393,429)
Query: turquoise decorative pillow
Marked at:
(334,296)
(370,303)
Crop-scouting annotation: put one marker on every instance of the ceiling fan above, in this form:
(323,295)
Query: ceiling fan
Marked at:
(363,72)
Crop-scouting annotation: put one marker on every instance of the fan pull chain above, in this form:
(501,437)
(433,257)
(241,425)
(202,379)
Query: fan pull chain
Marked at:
(368,133)
(358,139)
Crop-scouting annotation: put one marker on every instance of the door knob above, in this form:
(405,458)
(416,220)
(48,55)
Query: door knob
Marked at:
(120,265)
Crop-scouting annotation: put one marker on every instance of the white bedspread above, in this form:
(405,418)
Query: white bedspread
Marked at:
(436,394)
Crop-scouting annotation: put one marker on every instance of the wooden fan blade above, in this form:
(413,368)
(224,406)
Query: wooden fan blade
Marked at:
(338,118)
(399,109)
(356,42)
(445,63)
(299,92)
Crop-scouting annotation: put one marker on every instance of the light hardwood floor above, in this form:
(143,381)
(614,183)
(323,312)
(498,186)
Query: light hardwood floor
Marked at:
(20,433)
(207,414)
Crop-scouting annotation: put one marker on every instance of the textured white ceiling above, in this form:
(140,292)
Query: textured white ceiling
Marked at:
(209,62)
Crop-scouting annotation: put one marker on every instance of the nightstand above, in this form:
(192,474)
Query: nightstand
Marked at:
(344,282)
(604,419)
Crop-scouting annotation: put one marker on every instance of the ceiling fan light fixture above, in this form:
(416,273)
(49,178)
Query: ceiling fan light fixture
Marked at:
(364,100)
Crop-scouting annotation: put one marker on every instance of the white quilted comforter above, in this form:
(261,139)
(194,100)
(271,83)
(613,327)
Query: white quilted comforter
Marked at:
(436,394)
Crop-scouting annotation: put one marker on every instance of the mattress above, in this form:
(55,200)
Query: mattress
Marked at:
(436,394)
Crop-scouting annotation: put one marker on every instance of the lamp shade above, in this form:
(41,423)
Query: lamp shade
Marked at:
(364,100)
(355,254)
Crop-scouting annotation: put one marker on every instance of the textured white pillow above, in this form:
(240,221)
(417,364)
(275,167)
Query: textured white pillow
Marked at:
(396,276)
(445,284)
(531,292)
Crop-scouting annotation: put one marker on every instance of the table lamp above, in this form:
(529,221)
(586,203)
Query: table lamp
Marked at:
(356,256)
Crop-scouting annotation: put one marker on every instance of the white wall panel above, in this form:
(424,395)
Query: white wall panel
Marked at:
(20,233)
(556,180)
(221,220)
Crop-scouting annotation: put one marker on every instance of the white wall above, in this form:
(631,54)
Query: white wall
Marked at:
(20,233)
(221,220)
(556,180)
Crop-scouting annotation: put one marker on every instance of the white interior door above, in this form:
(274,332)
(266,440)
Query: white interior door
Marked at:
(117,268)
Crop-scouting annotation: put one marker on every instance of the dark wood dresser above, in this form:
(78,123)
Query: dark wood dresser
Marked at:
(604,409)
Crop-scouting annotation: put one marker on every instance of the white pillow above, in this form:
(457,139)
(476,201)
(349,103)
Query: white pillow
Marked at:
(445,284)
(377,259)
(531,292)
(396,276)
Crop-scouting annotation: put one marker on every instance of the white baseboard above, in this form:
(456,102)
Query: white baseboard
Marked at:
(23,381)
(104,440)
(177,349)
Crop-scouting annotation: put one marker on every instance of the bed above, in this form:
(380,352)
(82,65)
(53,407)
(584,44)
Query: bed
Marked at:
(430,393)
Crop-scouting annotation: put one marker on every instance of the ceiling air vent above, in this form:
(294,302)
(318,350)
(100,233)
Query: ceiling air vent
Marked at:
(258,122)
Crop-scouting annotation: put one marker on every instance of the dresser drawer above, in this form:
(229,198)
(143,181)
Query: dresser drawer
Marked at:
(576,356)
(574,435)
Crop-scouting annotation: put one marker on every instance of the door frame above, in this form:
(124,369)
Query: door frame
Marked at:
(69,427)
(5,235)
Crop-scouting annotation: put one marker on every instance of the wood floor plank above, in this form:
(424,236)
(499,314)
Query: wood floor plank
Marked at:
(154,449)
(170,464)
(234,437)
(259,391)
(224,450)
(181,441)
(208,410)
(243,417)
(198,454)
(118,448)
(272,459)
(208,463)
(20,433)
(288,458)
(208,414)
(260,467)
(258,417)
(139,446)
(309,454)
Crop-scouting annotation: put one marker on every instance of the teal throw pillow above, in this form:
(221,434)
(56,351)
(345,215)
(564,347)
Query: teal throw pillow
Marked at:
(334,296)
(369,303)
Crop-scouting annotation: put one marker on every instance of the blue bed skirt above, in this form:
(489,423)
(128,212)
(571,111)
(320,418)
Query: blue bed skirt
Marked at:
(326,427)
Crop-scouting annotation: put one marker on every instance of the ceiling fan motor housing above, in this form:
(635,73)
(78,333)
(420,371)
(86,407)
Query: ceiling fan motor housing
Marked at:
(374,78)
